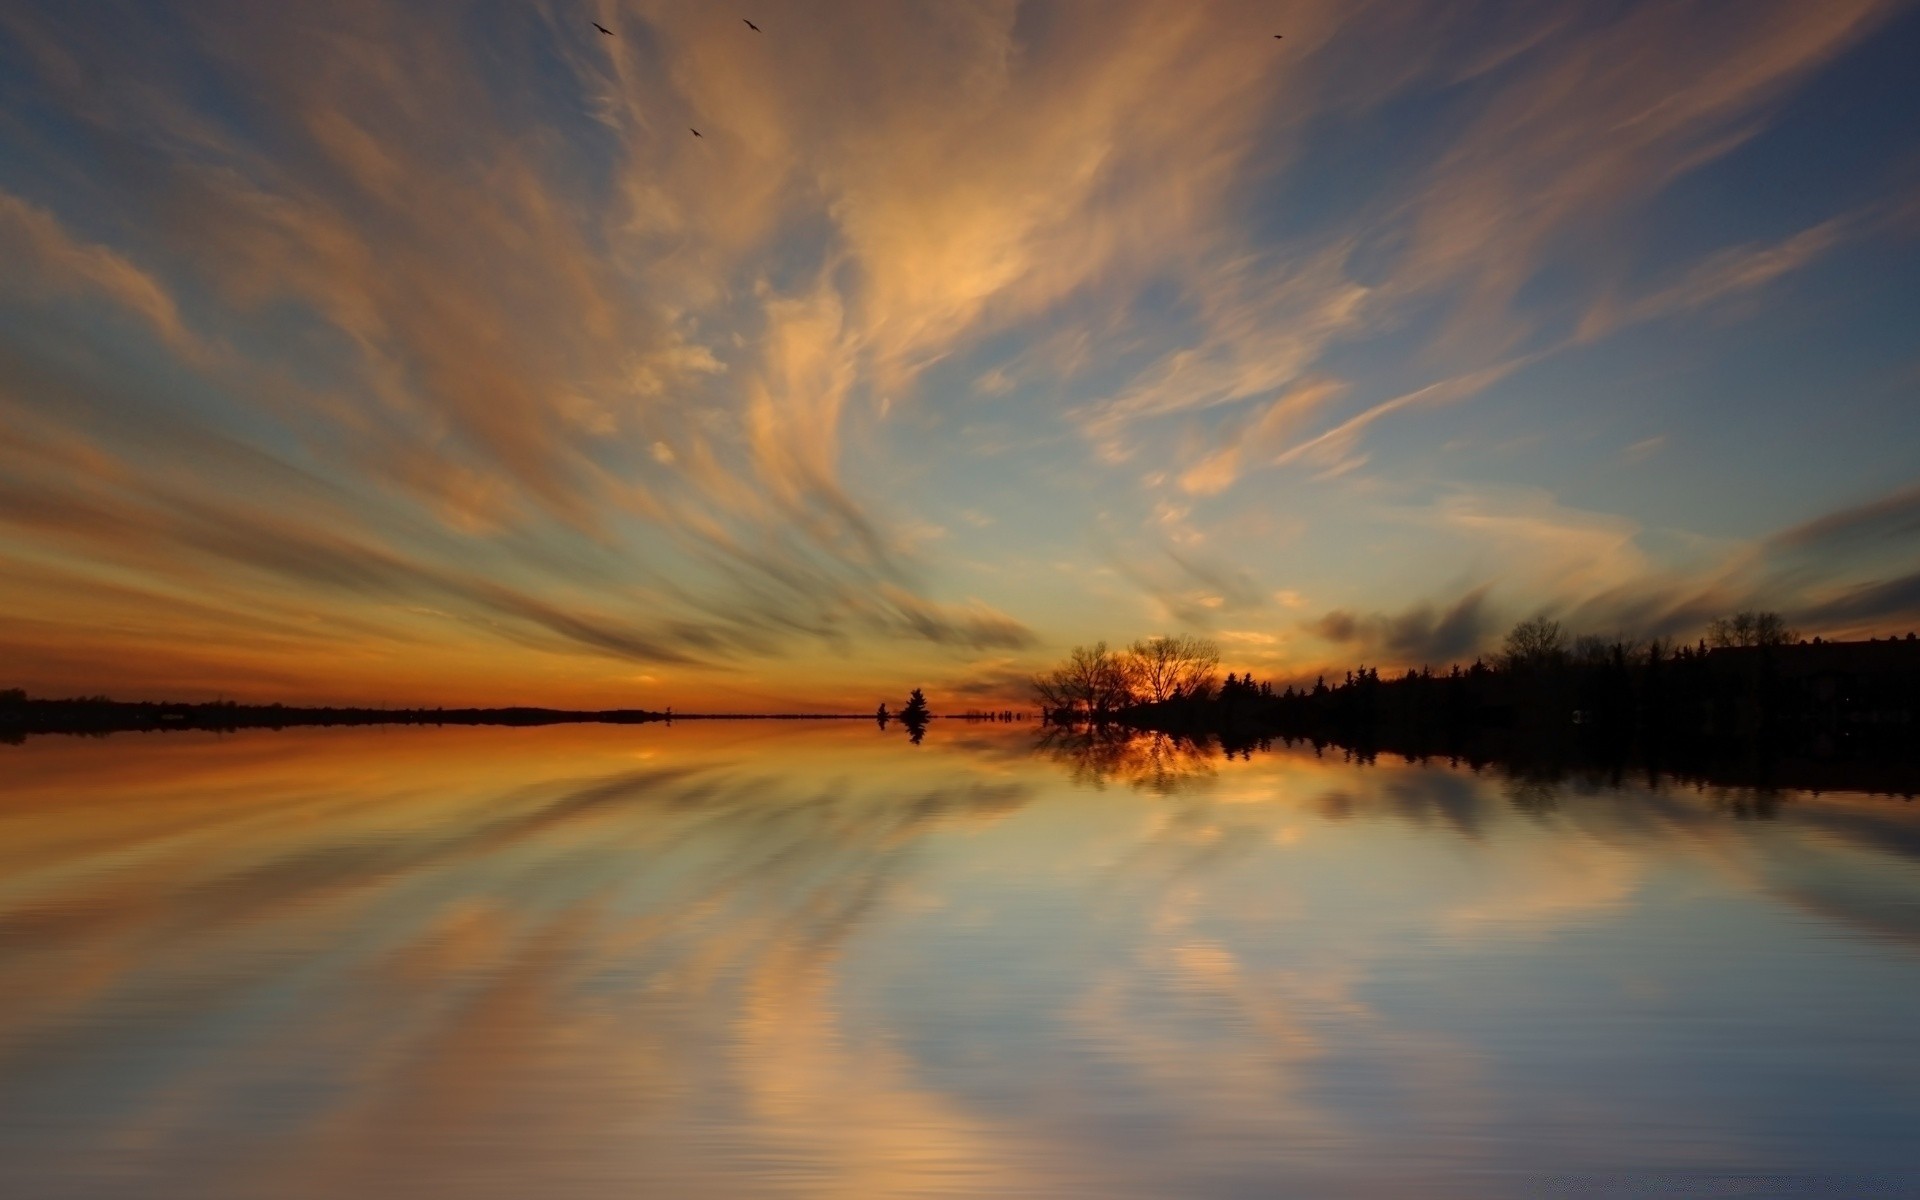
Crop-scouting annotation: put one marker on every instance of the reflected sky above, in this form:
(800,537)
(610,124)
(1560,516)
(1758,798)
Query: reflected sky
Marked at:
(749,959)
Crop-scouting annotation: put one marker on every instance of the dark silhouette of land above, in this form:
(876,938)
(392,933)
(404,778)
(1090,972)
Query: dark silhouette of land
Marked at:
(21,715)
(1755,708)
(1750,787)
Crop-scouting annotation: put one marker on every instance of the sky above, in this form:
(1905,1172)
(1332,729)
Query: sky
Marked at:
(421,353)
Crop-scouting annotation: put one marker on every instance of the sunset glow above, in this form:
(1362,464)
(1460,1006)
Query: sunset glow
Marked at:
(420,354)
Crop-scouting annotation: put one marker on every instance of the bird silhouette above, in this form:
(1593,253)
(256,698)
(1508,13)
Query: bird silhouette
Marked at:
(603,29)
(751,25)
(1279,36)
(695,132)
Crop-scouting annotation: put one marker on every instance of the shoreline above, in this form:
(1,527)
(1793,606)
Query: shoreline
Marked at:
(98,717)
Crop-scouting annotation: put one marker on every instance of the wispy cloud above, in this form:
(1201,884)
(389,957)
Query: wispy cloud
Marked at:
(1735,271)
(50,260)
(463,343)
(1644,449)
(1894,515)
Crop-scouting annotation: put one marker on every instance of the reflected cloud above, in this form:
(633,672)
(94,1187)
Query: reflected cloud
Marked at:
(749,958)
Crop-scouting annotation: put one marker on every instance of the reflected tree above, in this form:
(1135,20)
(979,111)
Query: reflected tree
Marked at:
(1162,763)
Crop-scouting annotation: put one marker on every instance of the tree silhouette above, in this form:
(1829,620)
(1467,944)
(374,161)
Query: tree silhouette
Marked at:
(915,716)
(1547,694)
(916,709)
(1094,682)
(1536,642)
(1167,668)
(881,716)
(1749,628)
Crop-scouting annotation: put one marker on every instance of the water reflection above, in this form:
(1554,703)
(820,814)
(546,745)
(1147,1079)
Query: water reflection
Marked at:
(1098,755)
(765,960)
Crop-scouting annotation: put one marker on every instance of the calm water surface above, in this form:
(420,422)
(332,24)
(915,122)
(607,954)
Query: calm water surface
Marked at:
(814,960)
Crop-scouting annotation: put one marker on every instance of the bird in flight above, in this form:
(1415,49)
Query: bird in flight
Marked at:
(603,29)
(695,132)
(751,25)
(1279,36)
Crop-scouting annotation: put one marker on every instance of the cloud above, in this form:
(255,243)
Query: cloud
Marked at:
(471,325)
(1597,120)
(153,529)
(1248,637)
(1191,590)
(40,249)
(1644,449)
(973,625)
(1565,551)
(1893,516)
(1873,605)
(1735,271)
(1418,634)
(1261,326)
(1262,436)
(1336,447)
(1810,571)
(483,331)
(995,382)
(1586,126)
(999,681)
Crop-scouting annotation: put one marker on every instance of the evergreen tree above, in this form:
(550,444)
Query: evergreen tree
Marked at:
(915,713)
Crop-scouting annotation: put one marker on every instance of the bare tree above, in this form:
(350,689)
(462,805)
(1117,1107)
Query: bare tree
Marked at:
(1535,642)
(1166,668)
(1749,628)
(1051,689)
(1094,681)
(1591,650)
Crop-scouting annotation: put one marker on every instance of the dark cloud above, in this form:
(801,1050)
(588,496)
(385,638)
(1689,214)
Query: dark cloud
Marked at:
(991,683)
(1894,515)
(1887,599)
(975,628)
(1339,625)
(1654,610)
(1422,633)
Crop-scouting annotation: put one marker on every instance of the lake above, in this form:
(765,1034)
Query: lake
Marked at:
(812,959)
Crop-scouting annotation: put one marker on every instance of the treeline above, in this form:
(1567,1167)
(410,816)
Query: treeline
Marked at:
(1096,684)
(21,714)
(1749,678)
